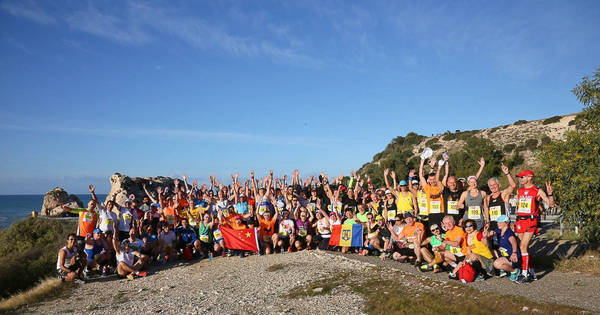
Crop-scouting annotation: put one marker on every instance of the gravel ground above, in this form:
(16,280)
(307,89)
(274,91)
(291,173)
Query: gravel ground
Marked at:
(230,285)
(244,286)
(574,289)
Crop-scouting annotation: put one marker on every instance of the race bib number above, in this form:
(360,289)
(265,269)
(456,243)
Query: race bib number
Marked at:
(302,231)
(204,238)
(371,235)
(283,232)
(474,213)
(456,251)
(329,208)
(171,219)
(266,238)
(503,252)
(262,210)
(217,234)
(338,208)
(322,230)
(127,217)
(88,217)
(452,207)
(422,202)
(312,206)
(250,207)
(435,206)
(109,222)
(524,205)
(391,215)
(495,213)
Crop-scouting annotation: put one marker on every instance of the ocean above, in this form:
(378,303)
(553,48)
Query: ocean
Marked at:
(16,207)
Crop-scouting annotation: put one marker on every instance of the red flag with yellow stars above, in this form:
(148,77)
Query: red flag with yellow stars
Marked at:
(246,239)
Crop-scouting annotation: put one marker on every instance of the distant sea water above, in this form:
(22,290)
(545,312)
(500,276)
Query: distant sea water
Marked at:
(16,207)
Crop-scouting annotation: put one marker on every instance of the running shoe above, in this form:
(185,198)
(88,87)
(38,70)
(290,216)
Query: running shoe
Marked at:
(522,279)
(514,275)
(424,268)
(142,274)
(503,274)
(436,268)
(130,276)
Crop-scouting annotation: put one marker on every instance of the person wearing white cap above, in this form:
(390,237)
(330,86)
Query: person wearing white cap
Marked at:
(528,211)
(509,254)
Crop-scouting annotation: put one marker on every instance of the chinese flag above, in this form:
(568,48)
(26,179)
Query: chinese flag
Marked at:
(246,239)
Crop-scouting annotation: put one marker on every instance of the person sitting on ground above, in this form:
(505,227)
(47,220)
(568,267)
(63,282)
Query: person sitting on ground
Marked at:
(435,241)
(187,241)
(67,266)
(218,241)
(350,218)
(453,238)
(477,251)
(167,240)
(151,243)
(303,228)
(267,230)
(126,267)
(287,232)
(509,254)
(95,254)
(414,233)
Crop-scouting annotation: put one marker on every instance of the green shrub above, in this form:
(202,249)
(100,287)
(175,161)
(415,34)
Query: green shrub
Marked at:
(509,147)
(520,122)
(515,160)
(531,144)
(431,142)
(449,136)
(521,147)
(551,120)
(545,140)
(435,146)
(494,129)
(28,252)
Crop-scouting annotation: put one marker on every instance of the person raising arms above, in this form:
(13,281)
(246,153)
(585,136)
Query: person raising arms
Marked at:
(498,199)
(433,191)
(406,200)
(528,212)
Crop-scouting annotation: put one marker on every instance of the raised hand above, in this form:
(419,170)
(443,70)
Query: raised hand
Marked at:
(549,188)
(481,162)
(271,173)
(251,174)
(352,173)
(393,174)
(159,190)
(504,168)
(166,190)
(386,172)
(412,173)
(184,176)
(432,162)
(195,183)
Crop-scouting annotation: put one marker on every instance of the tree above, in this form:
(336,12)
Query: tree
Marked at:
(573,164)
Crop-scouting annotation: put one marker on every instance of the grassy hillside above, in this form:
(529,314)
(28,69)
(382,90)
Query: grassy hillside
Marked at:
(514,144)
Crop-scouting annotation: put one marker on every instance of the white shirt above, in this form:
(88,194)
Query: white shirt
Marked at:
(125,219)
(127,258)
(168,239)
(107,218)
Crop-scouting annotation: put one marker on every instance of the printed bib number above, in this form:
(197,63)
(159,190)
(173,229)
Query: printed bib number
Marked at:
(456,251)
(262,210)
(474,213)
(171,219)
(284,232)
(250,207)
(323,230)
(435,206)
(204,238)
(524,205)
(371,235)
(302,231)
(391,215)
(88,217)
(127,217)
(312,207)
(109,222)
(217,234)
(338,208)
(452,207)
(495,213)
(503,252)
(266,238)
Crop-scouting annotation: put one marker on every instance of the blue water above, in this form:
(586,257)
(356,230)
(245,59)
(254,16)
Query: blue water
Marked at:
(16,207)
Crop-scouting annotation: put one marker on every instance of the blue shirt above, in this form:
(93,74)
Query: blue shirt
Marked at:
(241,207)
(150,238)
(187,235)
(504,243)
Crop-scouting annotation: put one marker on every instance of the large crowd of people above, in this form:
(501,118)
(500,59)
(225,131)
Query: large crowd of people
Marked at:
(436,224)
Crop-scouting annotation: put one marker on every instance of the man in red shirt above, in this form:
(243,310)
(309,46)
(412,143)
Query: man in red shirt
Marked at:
(528,212)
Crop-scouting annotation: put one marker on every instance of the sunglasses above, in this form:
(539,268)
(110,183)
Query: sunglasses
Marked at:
(436,229)
(469,225)
(70,239)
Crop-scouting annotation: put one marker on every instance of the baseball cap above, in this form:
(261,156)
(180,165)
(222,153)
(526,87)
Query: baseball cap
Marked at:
(414,181)
(403,183)
(387,191)
(525,173)
(433,227)
(156,205)
(503,218)
(409,215)
(379,217)
(462,179)
(97,231)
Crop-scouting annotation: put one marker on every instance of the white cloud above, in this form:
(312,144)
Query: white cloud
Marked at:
(29,10)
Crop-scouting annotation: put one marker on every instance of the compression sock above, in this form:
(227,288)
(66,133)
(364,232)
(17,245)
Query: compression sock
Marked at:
(525,264)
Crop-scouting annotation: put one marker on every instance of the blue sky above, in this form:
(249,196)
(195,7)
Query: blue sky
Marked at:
(151,88)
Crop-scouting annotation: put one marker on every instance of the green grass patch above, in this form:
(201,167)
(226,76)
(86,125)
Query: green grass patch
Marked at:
(551,120)
(120,297)
(317,287)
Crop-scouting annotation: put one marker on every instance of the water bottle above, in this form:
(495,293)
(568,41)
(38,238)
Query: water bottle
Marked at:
(445,155)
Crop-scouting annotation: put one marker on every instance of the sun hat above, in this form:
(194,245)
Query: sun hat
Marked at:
(414,181)
(427,153)
(403,183)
